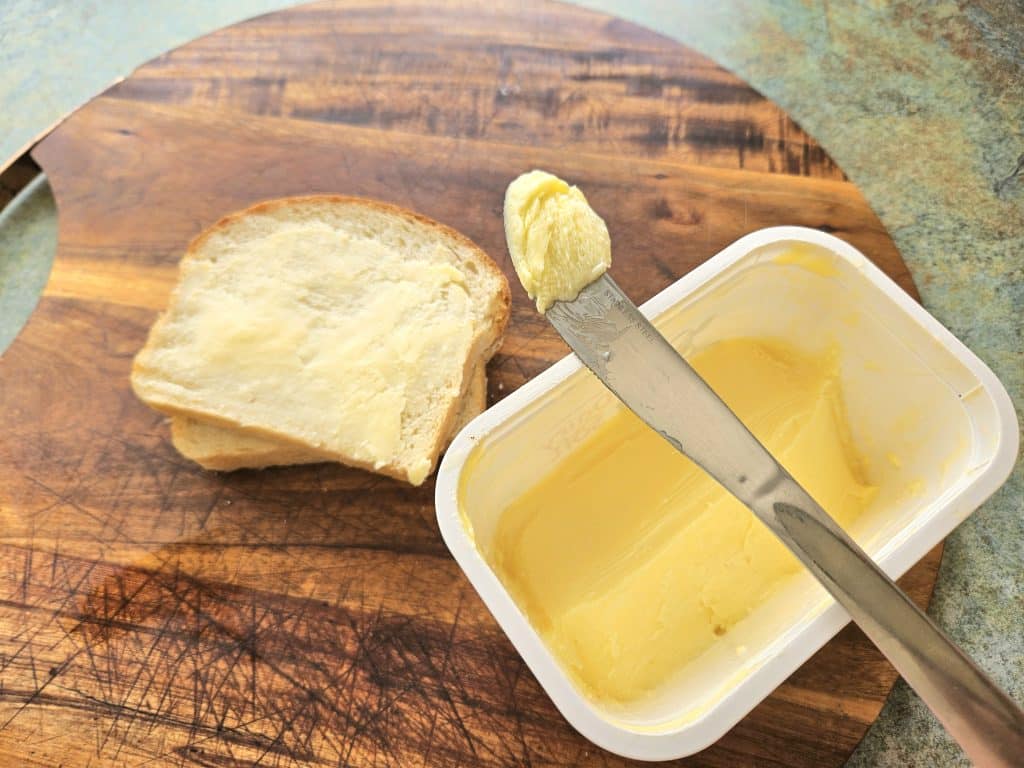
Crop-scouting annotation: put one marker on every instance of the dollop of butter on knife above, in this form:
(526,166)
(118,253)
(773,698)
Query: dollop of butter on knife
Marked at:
(558,244)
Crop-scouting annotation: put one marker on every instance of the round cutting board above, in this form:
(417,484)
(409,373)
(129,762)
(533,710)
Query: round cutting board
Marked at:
(155,613)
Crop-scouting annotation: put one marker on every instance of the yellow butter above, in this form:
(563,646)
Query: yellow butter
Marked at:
(296,325)
(808,258)
(558,244)
(630,561)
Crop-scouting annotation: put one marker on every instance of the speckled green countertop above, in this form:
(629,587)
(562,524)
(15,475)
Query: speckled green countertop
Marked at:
(921,103)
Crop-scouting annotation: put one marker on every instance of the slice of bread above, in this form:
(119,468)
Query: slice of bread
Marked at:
(346,327)
(226,449)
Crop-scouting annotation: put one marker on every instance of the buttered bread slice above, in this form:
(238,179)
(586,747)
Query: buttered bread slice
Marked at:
(225,449)
(343,326)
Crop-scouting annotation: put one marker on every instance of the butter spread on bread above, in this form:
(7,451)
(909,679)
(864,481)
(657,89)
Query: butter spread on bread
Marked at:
(344,326)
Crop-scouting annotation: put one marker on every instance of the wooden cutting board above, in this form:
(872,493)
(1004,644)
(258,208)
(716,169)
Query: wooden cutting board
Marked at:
(152,613)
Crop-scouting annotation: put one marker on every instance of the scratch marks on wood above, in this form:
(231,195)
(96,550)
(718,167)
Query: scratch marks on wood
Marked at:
(246,675)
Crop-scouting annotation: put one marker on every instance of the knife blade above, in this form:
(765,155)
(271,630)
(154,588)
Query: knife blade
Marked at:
(628,354)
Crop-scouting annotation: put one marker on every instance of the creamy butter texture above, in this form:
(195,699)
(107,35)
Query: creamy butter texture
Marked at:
(558,244)
(630,561)
(275,348)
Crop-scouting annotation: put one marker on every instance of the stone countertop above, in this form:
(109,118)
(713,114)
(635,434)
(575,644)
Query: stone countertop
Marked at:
(920,103)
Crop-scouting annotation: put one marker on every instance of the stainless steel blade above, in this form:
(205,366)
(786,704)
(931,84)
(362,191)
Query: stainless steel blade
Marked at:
(612,338)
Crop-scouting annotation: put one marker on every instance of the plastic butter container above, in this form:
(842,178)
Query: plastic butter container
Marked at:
(938,423)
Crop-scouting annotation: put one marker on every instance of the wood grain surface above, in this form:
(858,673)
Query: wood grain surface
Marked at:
(152,613)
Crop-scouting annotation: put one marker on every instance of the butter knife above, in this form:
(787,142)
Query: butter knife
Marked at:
(628,354)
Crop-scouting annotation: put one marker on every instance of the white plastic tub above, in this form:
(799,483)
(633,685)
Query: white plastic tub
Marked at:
(936,425)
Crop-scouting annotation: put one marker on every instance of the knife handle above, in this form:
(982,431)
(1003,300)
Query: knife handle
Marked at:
(988,725)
